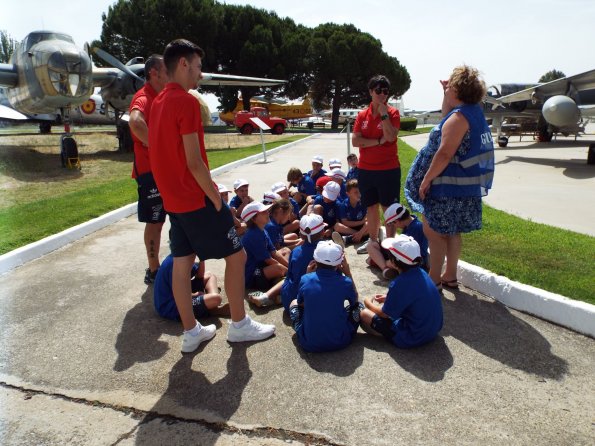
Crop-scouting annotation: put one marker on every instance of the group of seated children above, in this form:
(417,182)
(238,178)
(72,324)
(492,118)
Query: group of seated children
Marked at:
(309,274)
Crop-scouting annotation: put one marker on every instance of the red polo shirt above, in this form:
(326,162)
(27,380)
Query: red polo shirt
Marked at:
(379,157)
(142,101)
(174,113)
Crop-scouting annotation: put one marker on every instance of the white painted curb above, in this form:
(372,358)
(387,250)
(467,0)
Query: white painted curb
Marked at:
(44,246)
(578,316)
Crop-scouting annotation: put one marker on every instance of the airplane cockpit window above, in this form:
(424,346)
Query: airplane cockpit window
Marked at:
(493,91)
(35,38)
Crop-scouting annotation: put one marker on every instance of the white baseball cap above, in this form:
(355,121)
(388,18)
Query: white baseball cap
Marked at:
(403,247)
(337,173)
(311,224)
(222,188)
(317,159)
(335,162)
(394,212)
(254,208)
(269,197)
(331,190)
(279,186)
(329,253)
(239,183)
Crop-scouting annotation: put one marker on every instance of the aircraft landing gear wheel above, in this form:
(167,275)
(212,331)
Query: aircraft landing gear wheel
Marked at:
(591,154)
(502,141)
(45,128)
(247,129)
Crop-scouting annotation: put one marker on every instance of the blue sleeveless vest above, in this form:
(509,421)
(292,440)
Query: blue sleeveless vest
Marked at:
(470,175)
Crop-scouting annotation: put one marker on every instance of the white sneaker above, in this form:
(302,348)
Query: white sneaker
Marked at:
(191,343)
(364,248)
(338,239)
(250,331)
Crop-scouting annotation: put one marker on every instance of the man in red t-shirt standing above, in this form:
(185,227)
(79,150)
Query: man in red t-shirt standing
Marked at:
(200,224)
(150,206)
(375,133)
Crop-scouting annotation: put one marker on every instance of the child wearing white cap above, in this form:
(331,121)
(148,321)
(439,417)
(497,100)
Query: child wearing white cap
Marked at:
(280,188)
(319,314)
(326,205)
(238,224)
(311,230)
(280,213)
(339,177)
(410,314)
(334,163)
(241,198)
(264,265)
(317,170)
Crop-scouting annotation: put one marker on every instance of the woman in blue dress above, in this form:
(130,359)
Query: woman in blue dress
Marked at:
(452,172)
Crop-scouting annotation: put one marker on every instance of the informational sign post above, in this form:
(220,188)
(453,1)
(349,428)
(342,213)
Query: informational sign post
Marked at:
(262,126)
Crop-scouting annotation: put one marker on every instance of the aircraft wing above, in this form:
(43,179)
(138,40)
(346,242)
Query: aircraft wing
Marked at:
(8,75)
(587,110)
(228,79)
(102,77)
(11,113)
(582,81)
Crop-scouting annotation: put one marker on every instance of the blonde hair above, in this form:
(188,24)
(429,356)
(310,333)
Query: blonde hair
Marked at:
(466,80)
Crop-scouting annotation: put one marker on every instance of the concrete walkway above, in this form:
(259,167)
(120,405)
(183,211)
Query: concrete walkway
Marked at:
(84,360)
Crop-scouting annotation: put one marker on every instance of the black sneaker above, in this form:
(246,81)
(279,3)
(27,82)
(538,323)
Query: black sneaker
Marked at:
(150,276)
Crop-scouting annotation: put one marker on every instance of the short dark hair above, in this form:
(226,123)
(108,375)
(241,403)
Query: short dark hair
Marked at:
(405,215)
(404,267)
(280,203)
(294,174)
(176,49)
(154,61)
(378,81)
(324,266)
(351,156)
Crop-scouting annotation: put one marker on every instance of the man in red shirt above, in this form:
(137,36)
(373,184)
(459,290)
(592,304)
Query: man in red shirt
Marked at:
(375,133)
(200,224)
(150,205)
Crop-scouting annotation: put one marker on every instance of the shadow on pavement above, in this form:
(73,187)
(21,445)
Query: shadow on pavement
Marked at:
(138,340)
(577,169)
(339,363)
(489,328)
(189,391)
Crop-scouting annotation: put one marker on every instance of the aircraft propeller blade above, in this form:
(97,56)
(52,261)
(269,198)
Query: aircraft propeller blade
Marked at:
(116,63)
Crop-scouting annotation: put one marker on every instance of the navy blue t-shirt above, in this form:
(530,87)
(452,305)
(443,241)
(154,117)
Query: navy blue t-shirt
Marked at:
(415,229)
(413,304)
(353,173)
(307,186)
(275,232)
(295,207)
(258,248)
(298,263)
(321,173)
(163,295)
(348,212)
(325,321)
(330,210)
(235,202)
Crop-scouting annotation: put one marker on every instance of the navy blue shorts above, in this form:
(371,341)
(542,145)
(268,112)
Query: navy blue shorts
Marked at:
(296,315)
(205,232)
(150,205)
(258,281)
(198,307)
(380,186)
(384,326)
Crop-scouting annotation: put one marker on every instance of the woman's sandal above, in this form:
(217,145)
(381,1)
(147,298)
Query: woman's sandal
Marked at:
(452,284)
(438,287)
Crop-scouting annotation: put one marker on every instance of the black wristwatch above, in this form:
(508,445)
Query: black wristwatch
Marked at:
(383,117)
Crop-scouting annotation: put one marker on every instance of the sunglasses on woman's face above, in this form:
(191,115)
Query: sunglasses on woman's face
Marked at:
(379,90)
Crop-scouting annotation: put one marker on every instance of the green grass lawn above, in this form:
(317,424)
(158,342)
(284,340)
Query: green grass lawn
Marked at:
(32,220)
(543,256)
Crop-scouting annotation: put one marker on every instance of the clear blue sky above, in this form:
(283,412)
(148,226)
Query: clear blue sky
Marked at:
(508,40)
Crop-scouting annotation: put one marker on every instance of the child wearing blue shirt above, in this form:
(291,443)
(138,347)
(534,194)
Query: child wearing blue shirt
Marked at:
(325,314)
(311,228)
(206,299)
(325,205)
(353,172)
(339,177)
(241,198)
(317,170)
(264,265)
(352,224)
(306,187)
(410,314)
(293,225)
(280,212)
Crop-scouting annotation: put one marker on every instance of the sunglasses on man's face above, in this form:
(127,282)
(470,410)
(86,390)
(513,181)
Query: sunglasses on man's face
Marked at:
(379,90)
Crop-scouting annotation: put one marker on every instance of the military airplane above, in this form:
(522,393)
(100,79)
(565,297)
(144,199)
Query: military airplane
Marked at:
(561,105)
(276,108)
(49,74)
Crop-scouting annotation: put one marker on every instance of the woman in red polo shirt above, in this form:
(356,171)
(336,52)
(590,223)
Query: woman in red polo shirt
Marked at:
(375,133)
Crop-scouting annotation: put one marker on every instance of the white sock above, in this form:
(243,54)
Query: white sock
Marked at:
(241,323)
(195,330)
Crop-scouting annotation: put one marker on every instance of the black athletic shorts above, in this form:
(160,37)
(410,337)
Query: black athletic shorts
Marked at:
(150,205)
(384,326)
(199,307)
(205,232)
(258,281)
(380,186)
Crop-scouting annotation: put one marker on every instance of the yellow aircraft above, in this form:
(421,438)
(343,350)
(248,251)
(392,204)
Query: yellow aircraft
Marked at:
(289,110)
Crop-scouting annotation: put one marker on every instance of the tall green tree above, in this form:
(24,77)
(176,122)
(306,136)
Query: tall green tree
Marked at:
(7,46)
(551,75)
(342,60)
